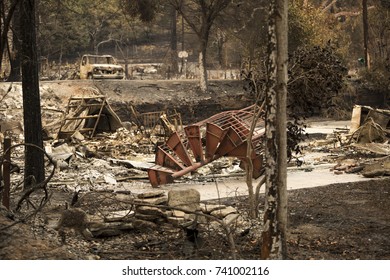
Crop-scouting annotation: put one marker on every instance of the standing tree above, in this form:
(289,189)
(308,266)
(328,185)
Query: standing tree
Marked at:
(34,160)
(173,44)
(275,216)
(5,25)
(365,35)
(14,49)
(242,29)
(200,16)
(145,11)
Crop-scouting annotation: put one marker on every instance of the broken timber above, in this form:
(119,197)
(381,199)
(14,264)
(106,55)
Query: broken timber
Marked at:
(87,115)
(224,134)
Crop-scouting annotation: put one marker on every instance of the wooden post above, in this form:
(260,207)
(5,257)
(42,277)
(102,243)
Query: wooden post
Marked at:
(6,172)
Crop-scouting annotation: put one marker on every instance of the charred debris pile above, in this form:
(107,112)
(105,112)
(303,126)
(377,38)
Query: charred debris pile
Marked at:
(107,163)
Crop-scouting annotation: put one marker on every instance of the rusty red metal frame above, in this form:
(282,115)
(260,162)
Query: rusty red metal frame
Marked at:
(224,134)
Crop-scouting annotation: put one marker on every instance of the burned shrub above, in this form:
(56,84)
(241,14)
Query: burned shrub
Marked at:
(316,77)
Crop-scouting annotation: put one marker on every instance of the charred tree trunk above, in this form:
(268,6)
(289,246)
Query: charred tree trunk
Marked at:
(173,53)
(275,215)
(2,17)
(221,40)
(204,38)
(34,160)
(365,35)
(200,20)
(14,49)
(203,84)
(6,25)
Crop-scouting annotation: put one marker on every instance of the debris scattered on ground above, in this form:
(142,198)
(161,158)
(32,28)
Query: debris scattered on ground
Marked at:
(103,170)
(354,150)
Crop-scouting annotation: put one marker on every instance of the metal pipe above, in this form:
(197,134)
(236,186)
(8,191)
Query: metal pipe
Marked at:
(191,168)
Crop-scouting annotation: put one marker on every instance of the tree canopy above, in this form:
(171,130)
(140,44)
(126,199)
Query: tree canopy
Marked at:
(236,30)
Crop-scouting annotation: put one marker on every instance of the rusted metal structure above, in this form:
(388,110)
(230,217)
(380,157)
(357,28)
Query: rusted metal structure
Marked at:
(224,134)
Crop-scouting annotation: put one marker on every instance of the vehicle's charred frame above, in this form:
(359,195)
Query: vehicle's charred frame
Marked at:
(100,67)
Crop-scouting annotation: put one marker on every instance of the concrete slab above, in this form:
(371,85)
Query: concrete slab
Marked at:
(296,179)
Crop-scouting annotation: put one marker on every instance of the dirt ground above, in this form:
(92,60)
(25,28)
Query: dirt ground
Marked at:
(336,221)
(346,221)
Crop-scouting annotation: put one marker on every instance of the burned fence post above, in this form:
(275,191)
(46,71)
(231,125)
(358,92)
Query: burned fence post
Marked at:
(6,172)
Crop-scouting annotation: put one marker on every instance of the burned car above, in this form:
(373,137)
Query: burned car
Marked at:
(100,67)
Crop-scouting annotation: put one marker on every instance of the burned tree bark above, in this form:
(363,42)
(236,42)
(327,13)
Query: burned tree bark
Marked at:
(173,44)
(6,26)
(204,38)
(365,35)
(34,160)
(14,49)
(275,216)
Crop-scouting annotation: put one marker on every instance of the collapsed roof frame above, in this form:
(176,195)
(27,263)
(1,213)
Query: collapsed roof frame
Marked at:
(85,114)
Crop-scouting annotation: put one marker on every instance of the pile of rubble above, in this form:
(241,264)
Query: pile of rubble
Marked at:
(364,148)
(109,168)
(101,158)
(149,210)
